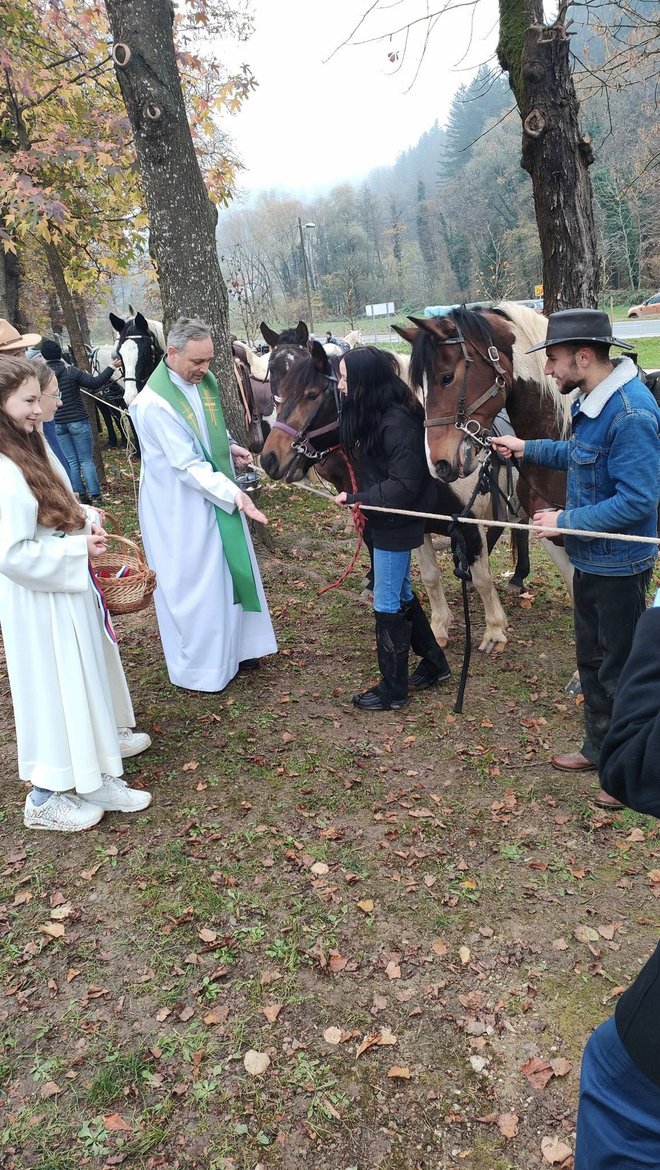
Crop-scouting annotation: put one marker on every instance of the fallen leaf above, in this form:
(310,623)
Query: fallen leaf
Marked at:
(507,1123)
(439,947)
(555,1151)
(538,1072)
(61,912)
(114,1122)
(368,1042)
(399,1072)
(207,935)
(586,934)
(337,962)
(50,1089)
(387,1036)
(319,868)
(272,1011)
(464,954)
(163,1014)
(561,1067)
(333,1035)
(89,873)
(22,897)
(186,1013)
(191,766)
(72,974)
(217,1015)
(255,1063)
(366,905)
(393,970)
(54,929)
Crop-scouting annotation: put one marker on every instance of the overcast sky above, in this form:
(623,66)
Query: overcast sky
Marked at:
(311,123)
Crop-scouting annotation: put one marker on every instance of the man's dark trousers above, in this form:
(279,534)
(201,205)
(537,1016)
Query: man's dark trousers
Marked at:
(606,611)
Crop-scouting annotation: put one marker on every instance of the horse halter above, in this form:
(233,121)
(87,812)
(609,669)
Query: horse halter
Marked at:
(463,420)
(301,438)
(155,352)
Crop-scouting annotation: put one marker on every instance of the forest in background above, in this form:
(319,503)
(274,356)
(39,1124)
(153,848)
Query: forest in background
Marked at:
(453,218)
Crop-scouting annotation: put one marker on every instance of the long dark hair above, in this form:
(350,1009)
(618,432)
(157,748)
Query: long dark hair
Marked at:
(374,384)
(57,507)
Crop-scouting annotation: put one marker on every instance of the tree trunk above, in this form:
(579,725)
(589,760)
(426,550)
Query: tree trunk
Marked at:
(10,290)
(181,216)
(77,344)
(554,152)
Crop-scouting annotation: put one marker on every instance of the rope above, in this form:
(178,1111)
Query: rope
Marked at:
(358,520)
(488,523)
(130,448)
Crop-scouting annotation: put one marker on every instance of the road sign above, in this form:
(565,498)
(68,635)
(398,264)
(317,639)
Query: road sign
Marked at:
(383,310)
(538,290)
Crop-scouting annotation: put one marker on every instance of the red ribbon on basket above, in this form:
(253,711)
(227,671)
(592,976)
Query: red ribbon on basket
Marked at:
(108,628)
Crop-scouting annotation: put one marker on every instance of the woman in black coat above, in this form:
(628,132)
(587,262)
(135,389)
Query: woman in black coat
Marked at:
(383,435)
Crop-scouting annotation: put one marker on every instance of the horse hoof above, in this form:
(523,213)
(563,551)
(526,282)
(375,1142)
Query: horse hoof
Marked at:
(491,646)
(514,587)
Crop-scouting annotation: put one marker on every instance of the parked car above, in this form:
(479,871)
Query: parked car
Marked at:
(535,303)
(648,308)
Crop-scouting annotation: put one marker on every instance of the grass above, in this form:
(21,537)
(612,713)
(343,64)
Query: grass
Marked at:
(410,872)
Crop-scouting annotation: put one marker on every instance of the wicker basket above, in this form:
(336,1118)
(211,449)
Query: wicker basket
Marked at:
(127,594)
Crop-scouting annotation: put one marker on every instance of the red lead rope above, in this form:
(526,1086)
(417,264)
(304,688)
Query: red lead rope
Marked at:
(359,521)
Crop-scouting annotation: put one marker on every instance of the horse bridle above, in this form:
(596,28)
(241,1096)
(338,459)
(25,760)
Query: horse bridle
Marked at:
(154,348)
(301,437)
(462,419)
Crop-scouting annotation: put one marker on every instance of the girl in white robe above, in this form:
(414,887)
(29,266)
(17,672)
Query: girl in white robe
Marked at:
(65,725)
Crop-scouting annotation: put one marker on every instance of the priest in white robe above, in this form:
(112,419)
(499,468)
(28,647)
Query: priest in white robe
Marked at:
(210,603)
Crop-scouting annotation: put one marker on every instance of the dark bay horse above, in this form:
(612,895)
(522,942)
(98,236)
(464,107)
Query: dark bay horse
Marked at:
(470,364)
(306,433)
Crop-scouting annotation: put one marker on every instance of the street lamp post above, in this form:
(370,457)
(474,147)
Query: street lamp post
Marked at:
(305,272)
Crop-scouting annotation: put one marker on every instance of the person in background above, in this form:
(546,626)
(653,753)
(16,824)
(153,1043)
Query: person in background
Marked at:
(382,434)
(66,731)
(13,343)
(50,402)
(618,1123)
(612,460)
(73,427)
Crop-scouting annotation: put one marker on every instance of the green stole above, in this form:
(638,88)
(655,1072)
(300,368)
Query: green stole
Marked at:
(230,524)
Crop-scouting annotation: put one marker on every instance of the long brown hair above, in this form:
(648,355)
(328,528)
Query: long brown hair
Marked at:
(57,508)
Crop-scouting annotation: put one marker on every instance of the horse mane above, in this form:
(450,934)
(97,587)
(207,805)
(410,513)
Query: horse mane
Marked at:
(531,328)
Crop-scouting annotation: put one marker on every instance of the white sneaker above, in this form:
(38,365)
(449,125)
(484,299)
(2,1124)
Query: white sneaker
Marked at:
(131,743)
(114,795)
(62,812)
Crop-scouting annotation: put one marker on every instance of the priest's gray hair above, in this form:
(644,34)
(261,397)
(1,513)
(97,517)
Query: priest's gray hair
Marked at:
(187,329)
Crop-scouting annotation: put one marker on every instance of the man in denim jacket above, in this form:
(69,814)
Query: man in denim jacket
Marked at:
(612,460)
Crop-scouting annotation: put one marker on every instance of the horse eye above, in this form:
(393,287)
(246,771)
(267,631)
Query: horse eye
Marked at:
(312,395)
(447,379)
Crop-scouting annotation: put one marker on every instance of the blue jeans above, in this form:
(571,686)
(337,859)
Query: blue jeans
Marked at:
(77,443)
(391,580)
(618,1123)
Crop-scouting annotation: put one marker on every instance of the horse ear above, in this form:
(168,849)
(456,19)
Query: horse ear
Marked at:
(269,335)
(319,356)
(117,323)
(406,332)
(131,310)
(302,333)
(141,323)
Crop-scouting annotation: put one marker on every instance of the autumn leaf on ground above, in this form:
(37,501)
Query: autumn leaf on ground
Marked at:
(586,934)
(561,1067)
(393,970)
(115,1122)
(50,1089)
(61,912)
(439,947)
(366,905)
(54,929)
(507,1123)
(383,1036)
(464,955)
(319,868)
(272,1011)
(217,1015)
(256,1063)
(555,1151)
(191,766)
(538,1072)
(399,1073)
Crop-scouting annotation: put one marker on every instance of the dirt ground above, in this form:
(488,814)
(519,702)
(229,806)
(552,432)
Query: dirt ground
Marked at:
(358,941)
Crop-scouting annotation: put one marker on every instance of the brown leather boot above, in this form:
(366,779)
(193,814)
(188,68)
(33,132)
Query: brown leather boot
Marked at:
(573,762)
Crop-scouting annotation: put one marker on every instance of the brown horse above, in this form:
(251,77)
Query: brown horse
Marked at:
(306,434)
(470,364)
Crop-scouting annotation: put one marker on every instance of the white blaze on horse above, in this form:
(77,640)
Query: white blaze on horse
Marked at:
(306,434)
(140,345)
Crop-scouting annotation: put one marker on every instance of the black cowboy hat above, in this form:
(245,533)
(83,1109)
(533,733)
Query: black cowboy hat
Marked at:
(571,325)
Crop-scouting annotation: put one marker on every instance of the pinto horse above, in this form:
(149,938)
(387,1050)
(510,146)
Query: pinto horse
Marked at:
(140,345)
(306,434)
(470,364)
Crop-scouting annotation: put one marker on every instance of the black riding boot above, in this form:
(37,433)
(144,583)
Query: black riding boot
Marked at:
(434,667)
(393,645)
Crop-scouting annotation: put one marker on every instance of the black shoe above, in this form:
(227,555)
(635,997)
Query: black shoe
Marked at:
(433,668)
(249,664)
(393,646)
(84,498)
(96,501)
